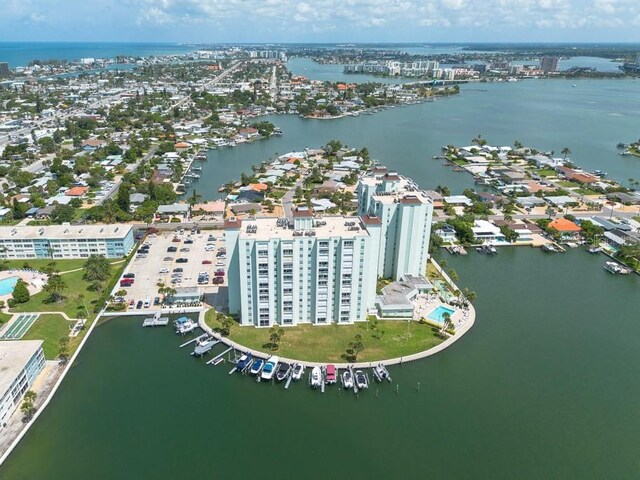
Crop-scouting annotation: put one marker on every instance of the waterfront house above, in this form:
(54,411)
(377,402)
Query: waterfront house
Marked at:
(486,232)
(396,298)
(632,198)
(568,229)
(447,233)
(561,201)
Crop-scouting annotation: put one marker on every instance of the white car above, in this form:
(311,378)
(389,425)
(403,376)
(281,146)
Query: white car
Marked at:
(164,270)
(147,302)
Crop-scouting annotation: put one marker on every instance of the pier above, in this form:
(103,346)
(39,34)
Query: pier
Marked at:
(199,337)
(220,355)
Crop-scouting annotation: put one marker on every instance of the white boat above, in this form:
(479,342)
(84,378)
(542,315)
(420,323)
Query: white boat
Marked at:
(186,327)
(595,250)
(315,377)
(616,268)
(381,373)
(362,381)
(203,346)
(256,366)
(347,380)
(298,371)
(269,368)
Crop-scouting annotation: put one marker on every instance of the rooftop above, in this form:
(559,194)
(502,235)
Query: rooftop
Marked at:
(65,231)
(14,355)
(324,227)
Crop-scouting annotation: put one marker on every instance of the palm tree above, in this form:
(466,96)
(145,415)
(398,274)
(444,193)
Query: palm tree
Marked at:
(565,151)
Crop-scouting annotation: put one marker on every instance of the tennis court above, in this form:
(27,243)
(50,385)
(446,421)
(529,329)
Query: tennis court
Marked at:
(19,326)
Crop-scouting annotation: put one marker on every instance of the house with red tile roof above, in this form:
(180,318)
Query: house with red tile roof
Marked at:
(568,229)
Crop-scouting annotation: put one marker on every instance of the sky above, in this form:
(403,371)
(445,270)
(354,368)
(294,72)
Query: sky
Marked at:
(313,21)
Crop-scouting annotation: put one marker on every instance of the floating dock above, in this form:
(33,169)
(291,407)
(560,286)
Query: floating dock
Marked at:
(156,321)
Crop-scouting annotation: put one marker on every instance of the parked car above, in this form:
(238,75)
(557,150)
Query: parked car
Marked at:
(188,241)
(126,282)
(217,280)
(182,260)
(164,270)
(167,259)
(211,238)
(172,249)
(132,304)
(176,239)
(206,262)
(185,249)
(129,275)
(177,270)
(219,274)
(139,305)
(156,301)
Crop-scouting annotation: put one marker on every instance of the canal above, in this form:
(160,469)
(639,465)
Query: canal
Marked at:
(590,118)
(544,386)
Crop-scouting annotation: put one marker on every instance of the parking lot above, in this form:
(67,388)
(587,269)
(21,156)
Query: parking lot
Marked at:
(202,252)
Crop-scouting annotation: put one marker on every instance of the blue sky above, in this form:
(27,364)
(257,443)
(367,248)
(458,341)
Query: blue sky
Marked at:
(320,20)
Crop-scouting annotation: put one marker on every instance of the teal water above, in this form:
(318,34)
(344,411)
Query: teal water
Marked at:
(590,118)
(438,313)
(19,54)
(7,285)
(543,386)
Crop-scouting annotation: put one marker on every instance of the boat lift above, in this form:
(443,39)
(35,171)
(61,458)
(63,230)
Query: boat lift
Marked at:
(213,360)
(199,337)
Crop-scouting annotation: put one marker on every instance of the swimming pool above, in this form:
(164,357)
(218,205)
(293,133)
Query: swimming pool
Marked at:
(437,314)
(7,285)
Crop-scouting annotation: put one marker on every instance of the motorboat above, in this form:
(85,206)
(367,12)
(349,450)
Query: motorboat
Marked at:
(549,247)
(381,373)
(616,268)
(243,362)
(315,377)
(204,345)
(330,374)
(187,326)
(283,371)
(347,380)
(595,250)
(256,366)
(269,368)
(298,371)
(362,381)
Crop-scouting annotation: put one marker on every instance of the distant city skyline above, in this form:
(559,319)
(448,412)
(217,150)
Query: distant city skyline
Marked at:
(321,21)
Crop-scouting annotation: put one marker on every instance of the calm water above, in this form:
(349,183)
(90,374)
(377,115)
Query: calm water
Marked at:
(19,54)
(590,119)
(544,386)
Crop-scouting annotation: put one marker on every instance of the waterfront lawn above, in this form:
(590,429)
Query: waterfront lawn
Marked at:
(50,328)
(390,339)
(76,286)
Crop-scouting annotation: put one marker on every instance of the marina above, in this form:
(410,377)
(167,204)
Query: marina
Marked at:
(156,321)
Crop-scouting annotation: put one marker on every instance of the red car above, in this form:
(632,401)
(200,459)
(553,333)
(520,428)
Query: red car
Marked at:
(126,282)
(176,239)
(217,280)
(206,262)
(219,274)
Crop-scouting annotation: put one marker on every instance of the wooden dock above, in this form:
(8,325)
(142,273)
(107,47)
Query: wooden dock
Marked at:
(199,337)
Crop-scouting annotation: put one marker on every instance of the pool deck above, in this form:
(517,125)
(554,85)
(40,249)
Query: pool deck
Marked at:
(30,277)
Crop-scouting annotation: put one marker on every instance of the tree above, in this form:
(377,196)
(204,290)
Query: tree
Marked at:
(225,326)
(275,334)
(97,270)
(565,152)
(355,347)
(63,349)
(28,408)
(21,292)
(63,214)
(54,287)
(123,198)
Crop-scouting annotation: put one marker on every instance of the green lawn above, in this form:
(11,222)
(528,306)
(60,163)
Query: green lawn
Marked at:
(546,172)
(50,328)
(62,265)
(568,184)
(4,317)
(76,287)
(329,343)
